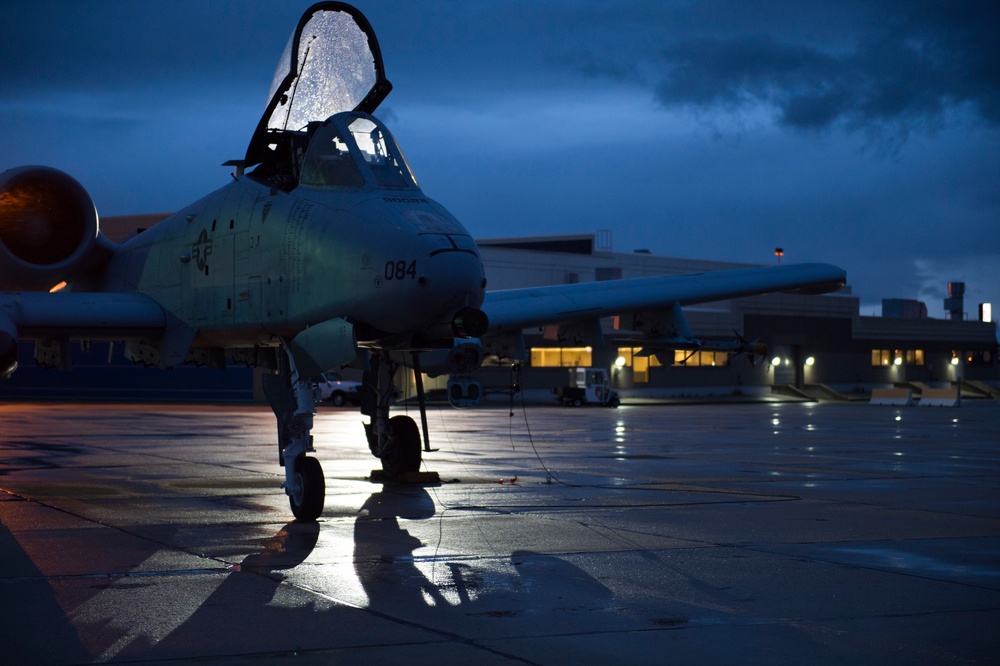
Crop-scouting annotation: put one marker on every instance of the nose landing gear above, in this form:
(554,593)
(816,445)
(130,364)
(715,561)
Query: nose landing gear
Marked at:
(307,492)
(291,400)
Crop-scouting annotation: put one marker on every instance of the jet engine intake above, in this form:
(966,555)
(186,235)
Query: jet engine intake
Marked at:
(465,392)
(48,227)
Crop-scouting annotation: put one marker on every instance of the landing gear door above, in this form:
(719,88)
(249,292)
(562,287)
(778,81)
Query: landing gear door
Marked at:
(332,63)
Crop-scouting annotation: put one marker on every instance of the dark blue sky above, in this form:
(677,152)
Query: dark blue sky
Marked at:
(865,134)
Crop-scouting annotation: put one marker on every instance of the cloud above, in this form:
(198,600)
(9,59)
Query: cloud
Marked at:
(889,68)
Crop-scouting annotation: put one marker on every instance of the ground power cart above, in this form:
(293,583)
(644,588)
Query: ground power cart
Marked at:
(587,386)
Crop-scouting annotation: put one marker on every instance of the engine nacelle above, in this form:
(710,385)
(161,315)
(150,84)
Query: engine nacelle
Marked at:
(8,346)
(48,227)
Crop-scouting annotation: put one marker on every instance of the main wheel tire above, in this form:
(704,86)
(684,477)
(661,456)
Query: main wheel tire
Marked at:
(307,503)
(404,455)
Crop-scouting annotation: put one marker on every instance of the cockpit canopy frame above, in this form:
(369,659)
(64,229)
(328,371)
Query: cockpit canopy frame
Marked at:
(332,63)
(353,150)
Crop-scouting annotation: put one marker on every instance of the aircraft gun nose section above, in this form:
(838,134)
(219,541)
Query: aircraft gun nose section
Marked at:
(452,288)
(470,323)
(433,271)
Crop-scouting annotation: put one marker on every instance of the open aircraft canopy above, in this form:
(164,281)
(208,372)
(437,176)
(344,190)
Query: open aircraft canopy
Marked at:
(332,63)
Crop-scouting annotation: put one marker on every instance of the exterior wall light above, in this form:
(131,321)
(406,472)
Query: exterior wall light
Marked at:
(810,361)
(620,362)
(775,361)
(954,360)
(898,361)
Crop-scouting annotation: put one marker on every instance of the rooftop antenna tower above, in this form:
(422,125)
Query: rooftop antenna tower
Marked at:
(604,240)
(954,305)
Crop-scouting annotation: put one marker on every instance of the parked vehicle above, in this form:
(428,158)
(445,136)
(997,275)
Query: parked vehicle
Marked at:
(588,386)
(331,388)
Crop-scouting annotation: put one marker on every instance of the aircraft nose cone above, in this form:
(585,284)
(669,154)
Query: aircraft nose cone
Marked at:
(450,292)
(454,278)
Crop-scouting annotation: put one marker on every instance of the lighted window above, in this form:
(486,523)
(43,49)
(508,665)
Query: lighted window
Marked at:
(882,357)
(699,359)
(640,364)
(889,357)
(561,357)
(640,369)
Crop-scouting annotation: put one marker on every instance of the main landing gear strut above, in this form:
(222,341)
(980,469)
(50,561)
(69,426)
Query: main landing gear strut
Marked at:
(396,440)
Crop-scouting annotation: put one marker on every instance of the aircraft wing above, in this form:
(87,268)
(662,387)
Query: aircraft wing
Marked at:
(81,315)
(73,315)
(510,310)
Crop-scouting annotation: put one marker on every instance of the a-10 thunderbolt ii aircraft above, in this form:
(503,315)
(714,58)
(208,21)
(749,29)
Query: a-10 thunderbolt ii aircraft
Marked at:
(322,252)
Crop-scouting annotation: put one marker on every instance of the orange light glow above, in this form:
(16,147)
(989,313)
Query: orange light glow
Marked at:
(58,287)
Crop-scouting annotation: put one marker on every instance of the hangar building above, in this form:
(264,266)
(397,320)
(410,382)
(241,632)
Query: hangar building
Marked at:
(818,346)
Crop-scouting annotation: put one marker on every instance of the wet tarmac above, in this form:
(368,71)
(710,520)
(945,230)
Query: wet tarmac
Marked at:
(689,534)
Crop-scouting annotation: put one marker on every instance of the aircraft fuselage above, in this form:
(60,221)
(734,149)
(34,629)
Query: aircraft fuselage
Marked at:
(251,263)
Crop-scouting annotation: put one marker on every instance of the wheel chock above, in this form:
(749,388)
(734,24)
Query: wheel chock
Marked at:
(425,478)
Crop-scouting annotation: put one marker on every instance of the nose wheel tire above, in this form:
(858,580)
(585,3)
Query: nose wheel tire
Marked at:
(404,455)
(307,500)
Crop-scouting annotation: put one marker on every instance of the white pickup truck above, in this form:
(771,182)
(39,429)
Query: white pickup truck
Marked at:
(331,388)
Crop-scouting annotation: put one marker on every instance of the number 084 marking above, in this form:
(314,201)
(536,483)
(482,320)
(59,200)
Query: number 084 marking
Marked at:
(400,270)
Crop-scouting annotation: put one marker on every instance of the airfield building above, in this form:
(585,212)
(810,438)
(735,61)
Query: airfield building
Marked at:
(817,345)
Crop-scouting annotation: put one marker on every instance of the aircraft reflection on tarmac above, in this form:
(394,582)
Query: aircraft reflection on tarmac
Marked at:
(386,566)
